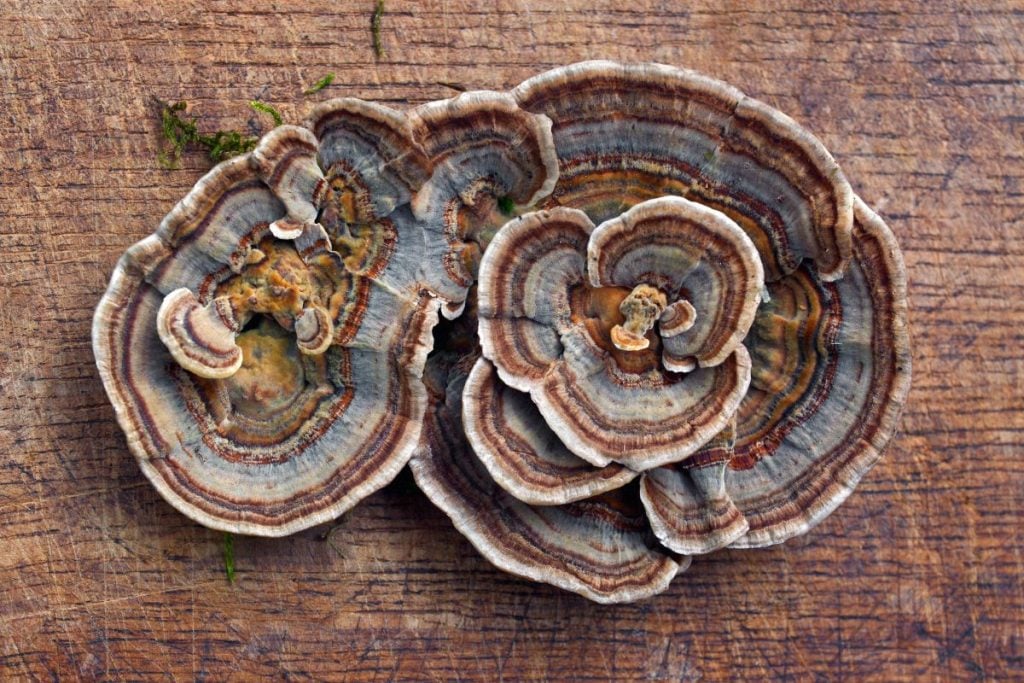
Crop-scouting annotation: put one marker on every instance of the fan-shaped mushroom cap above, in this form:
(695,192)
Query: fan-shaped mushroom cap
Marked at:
(353,283)
(483,148)
(548,334)
(286,159)
(696,256)
(326,402)
(371,150)
(831,374)
(625,133)
(797,270)
(448,159)
(687,504)
(214,229)
(521,453)
(373,167)
(677,318)
(200,338)
(599,547)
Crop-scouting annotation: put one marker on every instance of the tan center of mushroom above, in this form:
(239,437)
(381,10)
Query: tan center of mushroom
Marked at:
(271,374)
(641,308)
(274,392)
(281,285)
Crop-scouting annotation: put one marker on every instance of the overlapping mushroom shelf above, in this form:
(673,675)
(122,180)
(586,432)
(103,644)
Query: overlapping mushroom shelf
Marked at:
(667,326)
(700,329)
(264,348)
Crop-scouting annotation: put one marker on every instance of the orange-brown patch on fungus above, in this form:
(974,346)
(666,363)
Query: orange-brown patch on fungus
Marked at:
(598,309)
(284,286)
(271,370)
(275,383)
(478,216)
(641,309)
(364,241)
(345,202)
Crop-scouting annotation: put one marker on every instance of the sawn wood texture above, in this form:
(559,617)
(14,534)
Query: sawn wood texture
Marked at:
(918,576)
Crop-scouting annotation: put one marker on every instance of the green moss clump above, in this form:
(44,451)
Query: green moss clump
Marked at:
(506,205)
(378,15)
(229,557)
(264,108)
(320,85)
(180,131)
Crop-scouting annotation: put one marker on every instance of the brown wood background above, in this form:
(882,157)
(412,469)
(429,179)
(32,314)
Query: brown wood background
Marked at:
(918,576)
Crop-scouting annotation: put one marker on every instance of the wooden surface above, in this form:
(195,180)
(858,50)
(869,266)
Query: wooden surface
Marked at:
(918,576)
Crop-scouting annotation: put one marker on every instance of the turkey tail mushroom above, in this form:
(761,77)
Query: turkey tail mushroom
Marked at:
(625,133)
(600,547)
(264,385)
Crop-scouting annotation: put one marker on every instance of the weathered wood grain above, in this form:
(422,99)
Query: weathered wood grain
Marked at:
(918,576)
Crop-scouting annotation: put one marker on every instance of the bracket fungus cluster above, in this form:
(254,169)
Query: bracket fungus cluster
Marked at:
(264,348)
(690,335)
